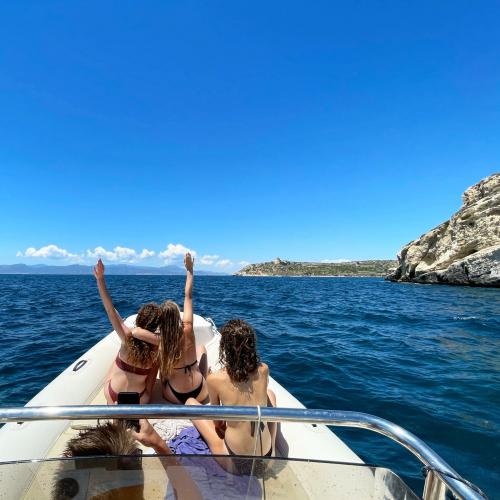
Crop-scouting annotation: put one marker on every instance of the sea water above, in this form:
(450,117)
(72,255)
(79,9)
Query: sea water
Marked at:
(426,357)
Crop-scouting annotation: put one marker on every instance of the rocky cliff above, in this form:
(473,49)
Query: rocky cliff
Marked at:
(462,251)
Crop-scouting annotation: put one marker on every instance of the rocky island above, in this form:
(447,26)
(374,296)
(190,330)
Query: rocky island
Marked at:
(280,267)
(464,250)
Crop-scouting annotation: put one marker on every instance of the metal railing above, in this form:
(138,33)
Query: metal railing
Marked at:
(440,475)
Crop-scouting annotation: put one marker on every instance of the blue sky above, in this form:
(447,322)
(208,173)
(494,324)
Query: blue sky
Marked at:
(242,130)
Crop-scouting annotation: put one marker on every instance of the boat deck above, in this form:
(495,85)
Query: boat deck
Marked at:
(153,475)
(282,479)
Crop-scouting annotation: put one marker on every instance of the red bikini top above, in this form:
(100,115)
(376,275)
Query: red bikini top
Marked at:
(131,368)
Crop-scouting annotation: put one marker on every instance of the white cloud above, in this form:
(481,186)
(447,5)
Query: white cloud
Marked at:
(100,253)
(208,260)
(334,261)
(119,254)
(125,254)
(223,263)
(174,251)
(146,254)
(47,252)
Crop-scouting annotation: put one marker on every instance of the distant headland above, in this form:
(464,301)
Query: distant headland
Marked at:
(279,267)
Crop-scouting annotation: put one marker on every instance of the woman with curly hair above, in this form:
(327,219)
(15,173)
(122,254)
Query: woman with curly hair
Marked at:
(135,367)
(242,381)
(183,365)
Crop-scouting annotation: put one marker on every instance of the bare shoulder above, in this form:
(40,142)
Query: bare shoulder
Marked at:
(216,378)
(264,369)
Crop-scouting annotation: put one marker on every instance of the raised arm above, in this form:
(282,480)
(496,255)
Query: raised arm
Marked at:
(188,292)
(146,335)
(116,321)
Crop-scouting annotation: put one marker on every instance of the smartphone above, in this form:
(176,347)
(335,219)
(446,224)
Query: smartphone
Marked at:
(130,398)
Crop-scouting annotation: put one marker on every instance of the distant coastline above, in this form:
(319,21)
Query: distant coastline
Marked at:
(111,269)
(351,269)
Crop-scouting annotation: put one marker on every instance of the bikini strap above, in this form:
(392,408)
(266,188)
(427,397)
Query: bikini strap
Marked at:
(187,368)
(252,428)
(131,368)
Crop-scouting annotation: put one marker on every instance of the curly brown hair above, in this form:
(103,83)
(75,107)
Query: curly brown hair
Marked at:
(171,335)
(142,353)
(238,350)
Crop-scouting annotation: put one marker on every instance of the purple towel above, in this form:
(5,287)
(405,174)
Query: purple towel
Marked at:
(189,442)
(212,480)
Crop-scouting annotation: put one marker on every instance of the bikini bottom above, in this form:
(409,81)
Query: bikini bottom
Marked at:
(243,466)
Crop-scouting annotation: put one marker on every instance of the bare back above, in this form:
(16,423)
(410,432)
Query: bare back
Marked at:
(188,345)
(240,436)
(186,375)
(119,380)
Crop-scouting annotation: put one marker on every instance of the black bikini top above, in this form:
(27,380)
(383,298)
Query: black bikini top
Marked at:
(187,368)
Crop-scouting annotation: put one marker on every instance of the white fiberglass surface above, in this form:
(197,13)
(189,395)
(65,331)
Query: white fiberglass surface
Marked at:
(203,476)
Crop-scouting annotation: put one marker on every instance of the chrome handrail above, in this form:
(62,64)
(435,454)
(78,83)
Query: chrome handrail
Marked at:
(424,453)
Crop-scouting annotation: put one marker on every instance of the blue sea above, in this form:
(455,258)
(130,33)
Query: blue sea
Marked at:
(424,356)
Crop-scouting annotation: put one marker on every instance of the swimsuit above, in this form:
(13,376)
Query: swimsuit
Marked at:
(114,395)
(129,369)
(244,465)
(184,396)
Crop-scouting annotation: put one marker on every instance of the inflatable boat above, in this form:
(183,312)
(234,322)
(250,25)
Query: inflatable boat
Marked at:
(311,461)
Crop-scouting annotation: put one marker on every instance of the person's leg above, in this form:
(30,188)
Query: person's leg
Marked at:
(273,426)
(201,356)
(107,395)
(150,382)
(207,430)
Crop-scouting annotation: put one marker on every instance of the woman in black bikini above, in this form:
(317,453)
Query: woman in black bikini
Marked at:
(183,365)
(135,368)
(243,381)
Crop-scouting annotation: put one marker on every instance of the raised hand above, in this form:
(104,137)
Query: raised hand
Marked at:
(188,262)
(99,270)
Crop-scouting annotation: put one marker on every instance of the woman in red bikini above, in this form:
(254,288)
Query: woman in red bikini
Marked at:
(183,365)
(135,367)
